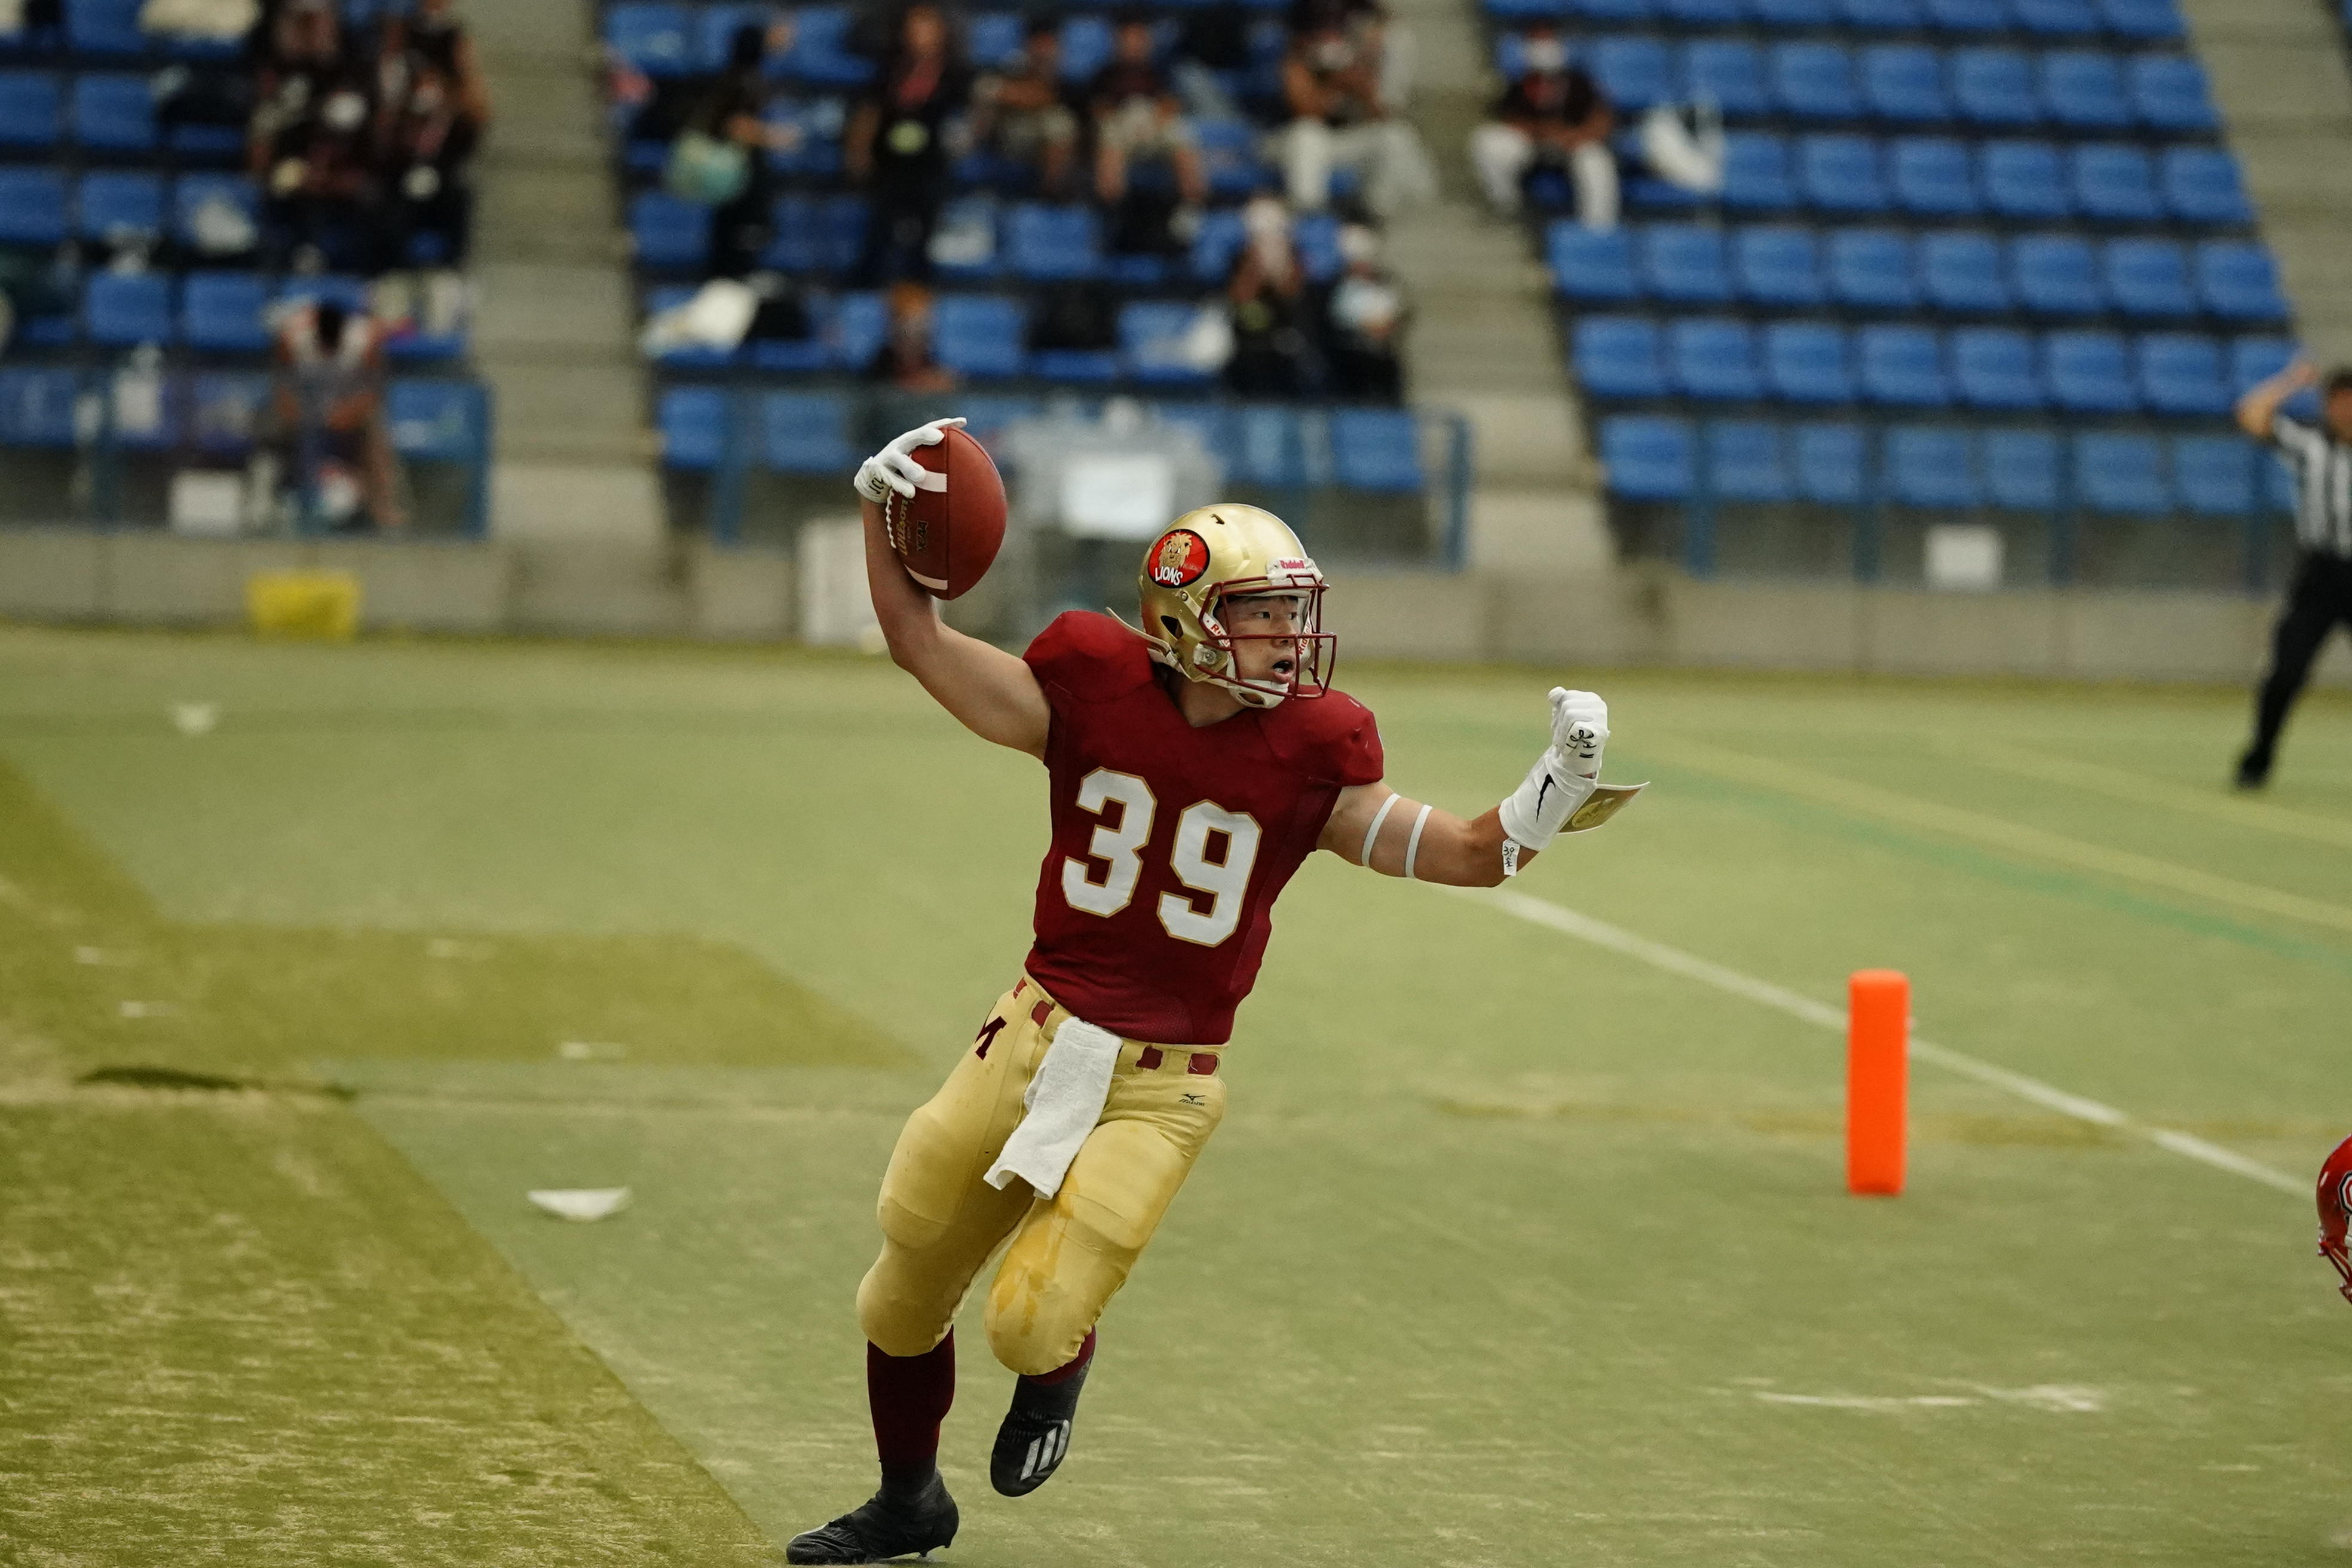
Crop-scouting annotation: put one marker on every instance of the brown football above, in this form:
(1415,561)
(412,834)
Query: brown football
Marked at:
(947,536)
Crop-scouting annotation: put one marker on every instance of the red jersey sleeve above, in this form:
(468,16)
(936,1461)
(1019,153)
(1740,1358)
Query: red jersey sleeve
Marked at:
(1082,656)
(1332,739)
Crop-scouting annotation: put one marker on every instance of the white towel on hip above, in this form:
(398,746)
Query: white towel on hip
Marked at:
(1063,1102)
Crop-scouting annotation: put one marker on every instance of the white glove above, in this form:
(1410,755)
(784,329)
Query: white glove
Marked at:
(1580,728)
(894,467)
(1561,780)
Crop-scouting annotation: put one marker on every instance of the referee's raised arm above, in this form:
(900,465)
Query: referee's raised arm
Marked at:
(2259,408)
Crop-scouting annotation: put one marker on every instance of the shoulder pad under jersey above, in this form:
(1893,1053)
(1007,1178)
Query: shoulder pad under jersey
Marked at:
(1089,657)
(1331,739)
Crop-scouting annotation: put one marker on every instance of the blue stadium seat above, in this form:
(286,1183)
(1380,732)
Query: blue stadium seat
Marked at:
(1960,272)
(2169,93)
(2115,183)
(2182,373)
(2122,474)
(1746,461)
(2148,280)
(1872,269)
(658,39)
(1617,357)
(978,334)
(1965,16)
(1929,465)
(2214,475)
(351,293)
(1229,156)
(437,421)
(821,55)
(119,310)
(1993,367)
(670,235)
(113,113)
(2057,276)
(860,321)
(995,38)
(1841,175)
(31,108)
(224,408)
(1045,243)
(1828,461)
(1647,458)
(1075,365)
(1790,16)
(1994,89)
(120,205)
(1702,13)
(2278,489)
(1934,177)
(1591,265)
(1775,266)
(1684,264)
(2239,282)
(1268,446)
(1808,362)
(2021,469)
(1904,83)
(2089,373)
(693,424)
(1815,82)
(2025,180)
(1152,339)
(1883,16)
(1714,359)
(1086,46)
(1376,449)
(1634,72)
(104,28)
(2201,186)
(2058,18)
(803,355)
(1902,366)
(192,194)
(1729,71)
(1528,10)
(2257,359)
(2085,89)
(32,207)
(223,311)
(37,406)
(2143,21)
(713,28)
(1756,175)
(1619,11)
(805,432)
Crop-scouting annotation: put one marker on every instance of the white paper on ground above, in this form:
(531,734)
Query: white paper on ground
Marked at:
(582,1203)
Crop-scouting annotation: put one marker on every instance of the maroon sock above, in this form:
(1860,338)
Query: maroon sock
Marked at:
(1077,1364)
(909,1395)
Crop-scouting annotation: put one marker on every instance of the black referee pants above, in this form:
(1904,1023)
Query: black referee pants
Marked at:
(2321,596)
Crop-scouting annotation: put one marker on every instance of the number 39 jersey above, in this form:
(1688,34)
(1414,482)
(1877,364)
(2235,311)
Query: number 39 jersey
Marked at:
(1170,843)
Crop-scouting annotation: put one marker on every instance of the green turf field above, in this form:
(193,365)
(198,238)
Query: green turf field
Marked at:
(1524,1241)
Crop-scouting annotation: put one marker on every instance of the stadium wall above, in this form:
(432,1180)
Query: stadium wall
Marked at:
(1638,616)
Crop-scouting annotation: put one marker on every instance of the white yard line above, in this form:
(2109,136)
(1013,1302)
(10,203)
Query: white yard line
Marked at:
(1674,960)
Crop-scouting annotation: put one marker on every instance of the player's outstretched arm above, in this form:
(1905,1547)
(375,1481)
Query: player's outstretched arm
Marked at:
(1374,825)
(991,692)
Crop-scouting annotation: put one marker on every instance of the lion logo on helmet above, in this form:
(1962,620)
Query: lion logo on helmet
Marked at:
(1180,558)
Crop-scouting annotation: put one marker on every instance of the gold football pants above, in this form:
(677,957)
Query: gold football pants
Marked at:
(1071,1252)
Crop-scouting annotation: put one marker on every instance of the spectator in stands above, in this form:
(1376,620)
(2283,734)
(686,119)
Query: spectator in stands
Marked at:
(1552,114)
(318,184)
(1340,119)
(1364,323)
(727,138)
(324,430)
(906,359)
(1266,295)
(1137,116)
(896,143)
(431,34)
(2319,456)
(1025,114)
(423,151)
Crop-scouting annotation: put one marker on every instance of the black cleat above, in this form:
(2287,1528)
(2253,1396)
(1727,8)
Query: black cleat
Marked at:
(881,1529)
(1036,1436)
(2254,769)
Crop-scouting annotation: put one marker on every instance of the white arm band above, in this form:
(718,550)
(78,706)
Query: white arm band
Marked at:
(1412,845)
(1533,814)
(1373,834)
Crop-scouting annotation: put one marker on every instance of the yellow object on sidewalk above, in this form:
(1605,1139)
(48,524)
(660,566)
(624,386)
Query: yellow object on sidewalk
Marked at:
(324,604)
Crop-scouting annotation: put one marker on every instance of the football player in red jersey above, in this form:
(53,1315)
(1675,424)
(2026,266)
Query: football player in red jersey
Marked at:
(1191,766)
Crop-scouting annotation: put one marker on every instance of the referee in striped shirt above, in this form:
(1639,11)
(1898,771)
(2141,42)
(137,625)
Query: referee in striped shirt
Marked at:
(2321,458)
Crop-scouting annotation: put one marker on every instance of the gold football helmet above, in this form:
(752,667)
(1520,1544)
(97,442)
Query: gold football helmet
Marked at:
(1223,551)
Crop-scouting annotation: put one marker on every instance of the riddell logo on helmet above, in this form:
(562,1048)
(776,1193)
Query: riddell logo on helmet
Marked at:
(1180,558)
